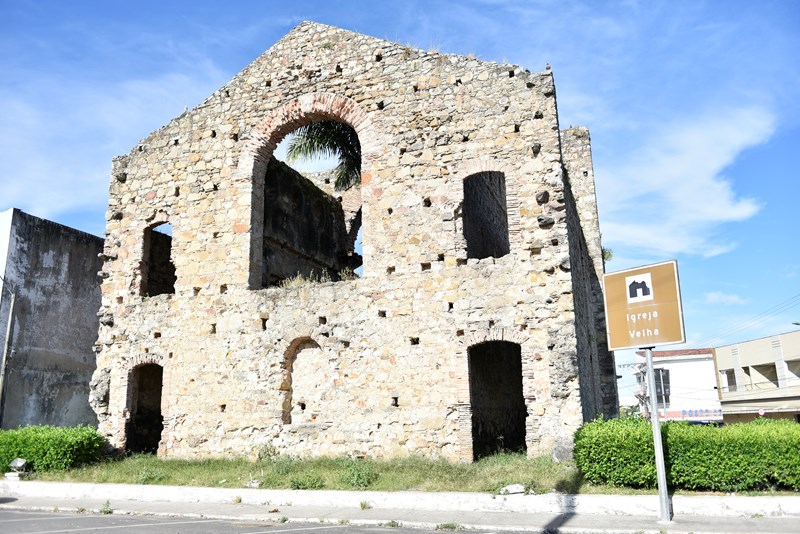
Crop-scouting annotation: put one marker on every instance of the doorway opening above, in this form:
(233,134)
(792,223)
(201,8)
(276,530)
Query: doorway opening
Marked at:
(495,392)
(146,422)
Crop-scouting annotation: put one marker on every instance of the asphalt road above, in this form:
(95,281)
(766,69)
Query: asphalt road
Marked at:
(29,522)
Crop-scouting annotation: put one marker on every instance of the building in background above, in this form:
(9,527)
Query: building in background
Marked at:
(685,384)
(760,377)
(50,270)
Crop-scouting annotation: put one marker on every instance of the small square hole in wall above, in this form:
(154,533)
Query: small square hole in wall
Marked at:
(302,406)
(156,335)
(119,300)
(381,313)
(338,68)
(195,291)
(213,133)
(263,324)
(390,270)
(461,261)
(491,324)
(323,320)
(554,242)
(378,57)
(395,401)
(414,340)
(426,202)
(389,211)
(440,257)
(511,74)
(425,266)
(215,235)
(222,408)
(459,333)
(346,344)
(415,88)
(177,192)
(516,128)
(147,351)
(380,104)
(223,289)
(213,328)
(449,306)
(169,355)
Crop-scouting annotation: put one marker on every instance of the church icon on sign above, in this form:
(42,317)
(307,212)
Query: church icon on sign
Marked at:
(639,288)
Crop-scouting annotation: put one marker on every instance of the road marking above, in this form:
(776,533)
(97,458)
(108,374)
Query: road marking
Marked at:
(42,518)
(299,528)
(131,525)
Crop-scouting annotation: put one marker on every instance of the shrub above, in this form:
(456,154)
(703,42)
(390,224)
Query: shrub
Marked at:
(359,474)
(617,452)
(730,458)
(306,482)
(48,448)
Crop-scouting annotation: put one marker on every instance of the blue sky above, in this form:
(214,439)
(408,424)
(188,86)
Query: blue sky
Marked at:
(694,109)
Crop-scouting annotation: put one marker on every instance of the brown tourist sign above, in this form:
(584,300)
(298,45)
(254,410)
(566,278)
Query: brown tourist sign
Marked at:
(643,307)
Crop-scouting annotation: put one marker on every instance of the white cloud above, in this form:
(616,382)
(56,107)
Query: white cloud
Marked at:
(717,297)
(59,138)
(669,195)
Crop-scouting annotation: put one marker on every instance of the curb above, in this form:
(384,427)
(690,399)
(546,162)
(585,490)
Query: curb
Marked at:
(552,503)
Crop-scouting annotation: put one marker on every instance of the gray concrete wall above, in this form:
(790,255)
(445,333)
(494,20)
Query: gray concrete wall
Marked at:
(53,271)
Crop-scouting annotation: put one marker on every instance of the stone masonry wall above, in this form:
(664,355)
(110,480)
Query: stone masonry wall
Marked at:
(52,269)
(375,366)
(588,253)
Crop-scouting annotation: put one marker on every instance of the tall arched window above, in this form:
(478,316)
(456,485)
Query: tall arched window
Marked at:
(486,215)
(157,271)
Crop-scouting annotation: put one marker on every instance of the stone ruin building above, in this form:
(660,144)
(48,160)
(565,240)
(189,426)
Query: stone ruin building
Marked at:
(477,322)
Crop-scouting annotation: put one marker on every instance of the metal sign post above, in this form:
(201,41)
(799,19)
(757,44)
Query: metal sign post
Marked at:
(661,470)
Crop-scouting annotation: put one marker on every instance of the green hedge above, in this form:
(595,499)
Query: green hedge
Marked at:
(49,448)
(736,457)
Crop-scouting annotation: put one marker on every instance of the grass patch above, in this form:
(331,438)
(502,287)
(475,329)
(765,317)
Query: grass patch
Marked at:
(280,472)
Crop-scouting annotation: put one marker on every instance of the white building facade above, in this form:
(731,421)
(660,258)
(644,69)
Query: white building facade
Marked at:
(686,385)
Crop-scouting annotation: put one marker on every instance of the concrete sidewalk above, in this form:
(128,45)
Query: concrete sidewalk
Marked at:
(533,513)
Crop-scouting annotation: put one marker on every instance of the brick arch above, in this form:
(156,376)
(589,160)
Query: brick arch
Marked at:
(138,360)
(475,166)
(266,135)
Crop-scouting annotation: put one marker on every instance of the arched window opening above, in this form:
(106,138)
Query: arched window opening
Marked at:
(312,209)
(158,271)
(146,422)
(495,393)
(303,391)
(486,215)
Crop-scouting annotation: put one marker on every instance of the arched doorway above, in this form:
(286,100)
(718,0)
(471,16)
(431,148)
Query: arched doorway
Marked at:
(495,393)
(143,430)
